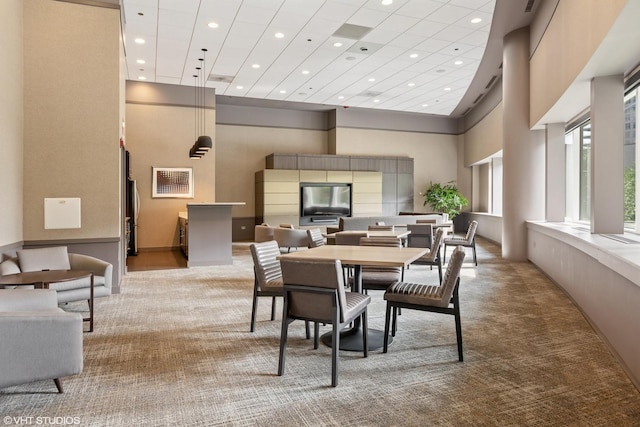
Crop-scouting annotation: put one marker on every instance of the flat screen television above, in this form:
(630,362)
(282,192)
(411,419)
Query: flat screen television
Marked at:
(324,203)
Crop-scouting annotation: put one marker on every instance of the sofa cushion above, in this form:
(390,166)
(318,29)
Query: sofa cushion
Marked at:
(53,258)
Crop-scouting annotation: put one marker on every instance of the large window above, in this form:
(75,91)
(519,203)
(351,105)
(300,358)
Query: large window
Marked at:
(629,157)
(578,172)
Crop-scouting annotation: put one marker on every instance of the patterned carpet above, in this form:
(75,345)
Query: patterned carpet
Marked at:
(173,349)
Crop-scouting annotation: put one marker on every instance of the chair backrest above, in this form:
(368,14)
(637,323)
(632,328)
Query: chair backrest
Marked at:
(263,233)
(381,227)
(390,242)
(315,237)
(317,276)
(451,278)
(471,231)
(289,226)
(421,235)
(351,238)
(265,262)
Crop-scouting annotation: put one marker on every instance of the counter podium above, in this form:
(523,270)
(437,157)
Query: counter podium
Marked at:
(209,233)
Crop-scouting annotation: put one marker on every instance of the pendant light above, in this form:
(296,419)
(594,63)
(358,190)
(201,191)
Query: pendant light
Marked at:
(203,142)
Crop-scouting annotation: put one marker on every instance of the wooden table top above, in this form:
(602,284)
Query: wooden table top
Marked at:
(380,256)
(47,276)
(374,233)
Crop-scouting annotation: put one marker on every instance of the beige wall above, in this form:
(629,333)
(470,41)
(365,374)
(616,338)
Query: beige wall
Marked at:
(11,121)
(71,116)
(485,138)
(573,35)
(241,152)
(161,136)
(435,155)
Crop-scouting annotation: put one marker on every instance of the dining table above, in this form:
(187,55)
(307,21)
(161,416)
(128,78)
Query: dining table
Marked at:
(358,257)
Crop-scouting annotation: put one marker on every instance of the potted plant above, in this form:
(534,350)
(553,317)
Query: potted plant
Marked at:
(445,198)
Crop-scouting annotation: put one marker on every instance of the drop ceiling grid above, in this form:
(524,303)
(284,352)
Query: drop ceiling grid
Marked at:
(431,28)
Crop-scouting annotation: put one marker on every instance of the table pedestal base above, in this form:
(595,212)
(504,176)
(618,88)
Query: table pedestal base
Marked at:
(351,339)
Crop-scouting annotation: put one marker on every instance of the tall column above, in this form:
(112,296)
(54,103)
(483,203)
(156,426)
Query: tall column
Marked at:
(607,137)
(555,172)
(523,151)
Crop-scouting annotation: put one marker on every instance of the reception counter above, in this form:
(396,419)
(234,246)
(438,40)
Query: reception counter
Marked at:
(208,233)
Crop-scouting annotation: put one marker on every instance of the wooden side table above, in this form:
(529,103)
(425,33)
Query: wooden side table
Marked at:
(42,279)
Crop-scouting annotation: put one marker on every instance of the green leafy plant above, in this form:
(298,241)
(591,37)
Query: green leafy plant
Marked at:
(630,194)
(445,198)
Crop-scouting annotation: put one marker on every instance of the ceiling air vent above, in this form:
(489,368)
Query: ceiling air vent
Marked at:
(529,6)
(353,32)
(493,79)
(369,94)
(220,78)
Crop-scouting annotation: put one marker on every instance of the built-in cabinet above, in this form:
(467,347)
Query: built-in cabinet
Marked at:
(380,185)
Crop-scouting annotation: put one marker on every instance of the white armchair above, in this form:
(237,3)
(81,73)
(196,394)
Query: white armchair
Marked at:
(39,340)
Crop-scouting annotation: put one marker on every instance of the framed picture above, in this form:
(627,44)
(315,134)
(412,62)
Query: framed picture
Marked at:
(172,183)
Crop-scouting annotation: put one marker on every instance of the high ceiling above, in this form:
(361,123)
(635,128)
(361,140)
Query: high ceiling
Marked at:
(411,55)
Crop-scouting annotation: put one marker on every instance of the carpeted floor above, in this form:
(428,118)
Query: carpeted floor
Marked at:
(173,349)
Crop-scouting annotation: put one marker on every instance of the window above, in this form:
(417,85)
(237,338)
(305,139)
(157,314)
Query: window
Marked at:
(578,173)
(629,157)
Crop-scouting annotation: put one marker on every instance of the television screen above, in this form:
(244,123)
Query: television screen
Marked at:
(325,200)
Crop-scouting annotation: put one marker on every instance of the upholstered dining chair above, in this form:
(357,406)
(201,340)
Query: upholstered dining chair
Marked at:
(315,237)
(441,298)
(468,241)
(314,291)
(380,278)
(421,236)
(380,227)
(267,277)
(351,238)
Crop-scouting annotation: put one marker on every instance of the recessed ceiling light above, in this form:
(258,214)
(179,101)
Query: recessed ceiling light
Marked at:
(337,44)
(283,91)
(476,20)
(139,41)
(239,87)
(305,71)
(458,62)
(413,55)
(372,79)
(386,2)
(425,105)
(341,97)
(212,25)
(140,61)
(142,78)
(376,100)
(447,89)
(255,65)
(411,84)
(279,35)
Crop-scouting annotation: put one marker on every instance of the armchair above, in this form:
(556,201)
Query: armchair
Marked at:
(39,340)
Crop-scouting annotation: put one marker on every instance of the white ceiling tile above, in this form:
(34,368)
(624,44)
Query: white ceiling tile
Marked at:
(449,14)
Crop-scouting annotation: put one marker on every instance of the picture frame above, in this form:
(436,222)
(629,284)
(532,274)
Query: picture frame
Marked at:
(175,183)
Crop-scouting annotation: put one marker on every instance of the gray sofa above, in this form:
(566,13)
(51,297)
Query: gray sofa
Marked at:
(39,340)
(363,222)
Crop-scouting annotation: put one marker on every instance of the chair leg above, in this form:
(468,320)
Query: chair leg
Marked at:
(365,333)
(386,328)
(444,254)
(254,310)
(335,347)
(475,257)
(440,270)
(283,339)
(306,329)
(456,310)
(316,335)
(58,382)
(394,326)
(273,308)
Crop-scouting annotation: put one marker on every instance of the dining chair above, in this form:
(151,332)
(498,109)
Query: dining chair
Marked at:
(468,241)
(267,278)
(380,278)
(442,298)
(351,238)
(381,227)
(421,237)
(314,291)
(315,237)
